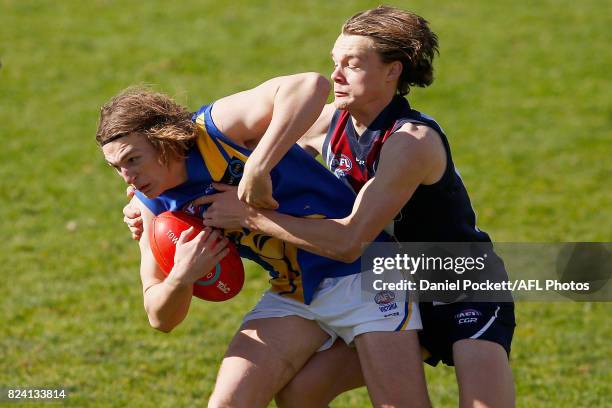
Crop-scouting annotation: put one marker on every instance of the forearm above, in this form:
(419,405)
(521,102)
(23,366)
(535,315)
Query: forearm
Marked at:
(167,304)
(297,104)
(341,239)
(332,238)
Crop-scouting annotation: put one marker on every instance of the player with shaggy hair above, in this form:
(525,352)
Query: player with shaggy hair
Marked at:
(172,157)
(399,163)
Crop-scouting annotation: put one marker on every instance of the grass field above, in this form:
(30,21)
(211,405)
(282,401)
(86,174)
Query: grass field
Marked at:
(522,90)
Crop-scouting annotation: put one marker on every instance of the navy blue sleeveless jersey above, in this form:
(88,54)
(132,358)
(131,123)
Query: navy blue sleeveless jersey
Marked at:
(302,187)
(441,212)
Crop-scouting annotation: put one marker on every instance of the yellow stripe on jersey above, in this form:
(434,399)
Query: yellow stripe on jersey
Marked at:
(409,316)
(206,144)
(281,256)
(213,158)
(232,152)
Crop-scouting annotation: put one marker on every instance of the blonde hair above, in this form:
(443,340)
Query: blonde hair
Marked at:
(165,123)
(399,35)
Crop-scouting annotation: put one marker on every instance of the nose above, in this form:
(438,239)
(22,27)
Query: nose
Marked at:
(128,175)
(337,75)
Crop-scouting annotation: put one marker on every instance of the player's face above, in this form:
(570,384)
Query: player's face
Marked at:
(360,76)
(137,162)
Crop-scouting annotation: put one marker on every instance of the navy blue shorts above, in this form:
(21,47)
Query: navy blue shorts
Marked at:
(444,324)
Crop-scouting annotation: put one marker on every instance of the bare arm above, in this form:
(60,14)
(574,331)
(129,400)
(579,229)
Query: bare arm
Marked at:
(272,116)
(412,156)
(280,110)
(255,187)
(167,300)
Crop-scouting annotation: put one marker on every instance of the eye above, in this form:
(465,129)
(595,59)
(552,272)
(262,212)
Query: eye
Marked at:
(133,160)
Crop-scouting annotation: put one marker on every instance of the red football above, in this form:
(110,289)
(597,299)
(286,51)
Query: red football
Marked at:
(220,283)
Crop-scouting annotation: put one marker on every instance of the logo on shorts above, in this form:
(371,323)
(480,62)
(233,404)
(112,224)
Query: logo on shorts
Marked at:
(467,316)
(341,164)
(384,297)
(385,300)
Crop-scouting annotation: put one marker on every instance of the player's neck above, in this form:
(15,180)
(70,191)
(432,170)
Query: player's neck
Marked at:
(363,116)
(178,170)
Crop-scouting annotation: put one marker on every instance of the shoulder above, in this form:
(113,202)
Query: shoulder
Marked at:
(416,147)
(418,131)
(413,138)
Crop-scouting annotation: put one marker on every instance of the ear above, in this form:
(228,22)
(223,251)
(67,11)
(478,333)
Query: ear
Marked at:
(395,70)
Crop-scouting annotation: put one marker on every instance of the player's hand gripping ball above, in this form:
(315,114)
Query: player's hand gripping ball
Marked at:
(221,283)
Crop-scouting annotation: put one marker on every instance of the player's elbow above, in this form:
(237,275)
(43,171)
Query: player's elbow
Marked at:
(160,325)
(323,86)
(350,251)
(350,246)
(318,83)
(158,321)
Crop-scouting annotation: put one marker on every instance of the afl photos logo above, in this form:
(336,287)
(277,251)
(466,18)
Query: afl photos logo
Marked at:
(341,164)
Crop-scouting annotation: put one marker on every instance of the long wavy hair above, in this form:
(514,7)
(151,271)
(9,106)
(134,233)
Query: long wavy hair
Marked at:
(165,123)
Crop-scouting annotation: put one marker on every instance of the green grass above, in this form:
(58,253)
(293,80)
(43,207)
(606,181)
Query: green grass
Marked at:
(521,89)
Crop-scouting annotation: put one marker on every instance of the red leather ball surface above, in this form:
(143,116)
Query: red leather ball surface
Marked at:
(221,283)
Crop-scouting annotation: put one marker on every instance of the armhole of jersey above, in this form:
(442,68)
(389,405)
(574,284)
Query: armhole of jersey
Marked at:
(214,132)
(330,131)
(450,166)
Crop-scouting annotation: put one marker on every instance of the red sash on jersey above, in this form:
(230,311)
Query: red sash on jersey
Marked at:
(344,163)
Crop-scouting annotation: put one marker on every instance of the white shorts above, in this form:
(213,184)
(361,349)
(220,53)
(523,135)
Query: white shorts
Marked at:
(340,308)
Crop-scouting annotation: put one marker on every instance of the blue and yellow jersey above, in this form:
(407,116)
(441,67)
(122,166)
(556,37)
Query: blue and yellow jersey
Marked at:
(301,185)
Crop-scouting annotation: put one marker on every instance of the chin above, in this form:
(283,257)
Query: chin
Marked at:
(150,193)
(342,105)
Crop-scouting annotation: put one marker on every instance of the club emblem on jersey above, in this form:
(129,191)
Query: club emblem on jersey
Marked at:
(233,172)
(192,209)
(198,210)
(341,164)
(236,167)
